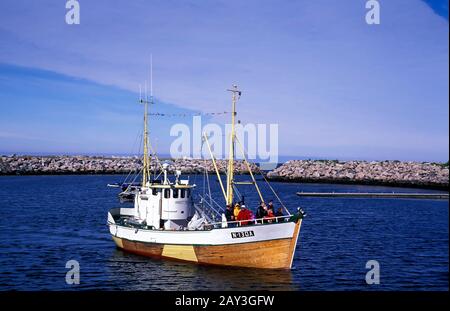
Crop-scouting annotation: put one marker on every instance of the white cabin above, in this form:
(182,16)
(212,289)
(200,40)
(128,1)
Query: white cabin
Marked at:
(165,205)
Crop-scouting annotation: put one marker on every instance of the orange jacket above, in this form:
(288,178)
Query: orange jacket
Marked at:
(236,211)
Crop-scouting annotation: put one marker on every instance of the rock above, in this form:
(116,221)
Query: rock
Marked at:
(384,172)
(106,165)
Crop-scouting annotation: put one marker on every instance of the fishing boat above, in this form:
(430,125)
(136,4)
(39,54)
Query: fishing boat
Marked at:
(167,222)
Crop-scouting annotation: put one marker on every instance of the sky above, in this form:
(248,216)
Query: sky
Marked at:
(337,87)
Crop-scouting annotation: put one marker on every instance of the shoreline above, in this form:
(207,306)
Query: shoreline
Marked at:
(439,187)
(280,180)
(376,173)
(383,173)
(86,165)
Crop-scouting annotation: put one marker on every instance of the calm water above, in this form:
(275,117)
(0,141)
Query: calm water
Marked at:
(48,220)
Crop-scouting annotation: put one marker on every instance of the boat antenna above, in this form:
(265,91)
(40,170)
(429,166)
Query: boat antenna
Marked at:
(151,77)
(145,170)
(151,102)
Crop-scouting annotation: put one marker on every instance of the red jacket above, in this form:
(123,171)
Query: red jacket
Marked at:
(244,214)
(270,214)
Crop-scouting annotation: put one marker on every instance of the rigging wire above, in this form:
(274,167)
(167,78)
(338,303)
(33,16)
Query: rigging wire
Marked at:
(139,134)
(273,191)
(206,175)
(237,192)
(159,114)
(205,178)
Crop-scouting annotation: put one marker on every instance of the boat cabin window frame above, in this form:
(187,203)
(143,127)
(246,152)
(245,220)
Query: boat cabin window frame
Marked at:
(166,193)
(175,193)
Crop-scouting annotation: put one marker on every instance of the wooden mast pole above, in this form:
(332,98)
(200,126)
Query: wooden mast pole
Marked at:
(147,159)
(230,173)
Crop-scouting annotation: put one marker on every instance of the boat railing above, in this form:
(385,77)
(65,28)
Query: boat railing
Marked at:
(247,222)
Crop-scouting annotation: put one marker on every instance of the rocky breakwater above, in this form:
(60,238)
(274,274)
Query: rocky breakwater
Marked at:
(34,165)
(392,173)
(198,166)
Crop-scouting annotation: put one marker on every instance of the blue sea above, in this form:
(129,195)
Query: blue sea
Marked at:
(49,220)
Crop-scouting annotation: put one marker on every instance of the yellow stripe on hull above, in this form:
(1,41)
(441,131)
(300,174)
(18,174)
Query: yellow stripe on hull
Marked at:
(181,252)
(269,254)
(118,241)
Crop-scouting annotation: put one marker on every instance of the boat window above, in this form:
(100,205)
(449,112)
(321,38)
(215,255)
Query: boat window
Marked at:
(188,193)
(175,193)
(154,191)
(183,193)
(166,193)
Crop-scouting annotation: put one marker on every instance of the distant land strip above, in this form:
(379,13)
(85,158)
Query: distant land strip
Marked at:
(408,195)
(387,173)
(49,165)
(390,173)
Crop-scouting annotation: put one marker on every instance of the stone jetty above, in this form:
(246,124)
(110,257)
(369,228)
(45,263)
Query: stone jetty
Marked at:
(34,165)
(394,173)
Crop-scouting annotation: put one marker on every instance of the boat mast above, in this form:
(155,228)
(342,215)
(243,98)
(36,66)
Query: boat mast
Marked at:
(230,174)
(147,159)
(145,169)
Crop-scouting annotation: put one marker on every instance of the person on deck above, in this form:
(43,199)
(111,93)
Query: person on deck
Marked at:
(244,215)
(260,211)
(271,206)
(229,213)
(279,213)
(270,215)
(237,209)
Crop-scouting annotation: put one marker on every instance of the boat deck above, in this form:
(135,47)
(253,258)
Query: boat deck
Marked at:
(131,222)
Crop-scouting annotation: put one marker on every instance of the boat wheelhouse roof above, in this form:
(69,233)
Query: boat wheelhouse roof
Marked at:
(167,186)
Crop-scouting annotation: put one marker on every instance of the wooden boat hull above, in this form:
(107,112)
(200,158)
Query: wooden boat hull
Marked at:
(266,254)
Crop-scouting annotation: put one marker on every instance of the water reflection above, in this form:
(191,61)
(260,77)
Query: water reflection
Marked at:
(132,272)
